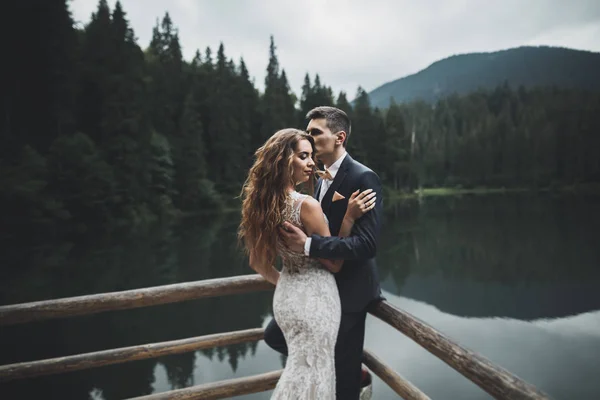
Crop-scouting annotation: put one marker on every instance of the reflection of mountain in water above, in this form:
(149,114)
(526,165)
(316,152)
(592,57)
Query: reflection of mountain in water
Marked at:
(520,300)
(559,356)
(516,256)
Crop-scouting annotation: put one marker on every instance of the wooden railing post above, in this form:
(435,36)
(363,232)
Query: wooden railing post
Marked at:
(495,380)
(397,383)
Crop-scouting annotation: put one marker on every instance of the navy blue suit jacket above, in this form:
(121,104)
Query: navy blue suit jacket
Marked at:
(358,280)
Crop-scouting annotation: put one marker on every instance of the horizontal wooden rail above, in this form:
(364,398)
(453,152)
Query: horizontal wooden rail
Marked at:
(95,303)
(125,354)
(397,383)
(222,389)
(495,380)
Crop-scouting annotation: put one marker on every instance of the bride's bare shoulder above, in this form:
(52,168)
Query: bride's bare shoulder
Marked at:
(312,217)
(310,205)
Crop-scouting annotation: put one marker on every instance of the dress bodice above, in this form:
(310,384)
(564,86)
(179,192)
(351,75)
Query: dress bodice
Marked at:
(294,262)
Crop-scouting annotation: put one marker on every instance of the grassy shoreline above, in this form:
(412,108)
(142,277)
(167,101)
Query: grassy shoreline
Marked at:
(393,195)
(587,188)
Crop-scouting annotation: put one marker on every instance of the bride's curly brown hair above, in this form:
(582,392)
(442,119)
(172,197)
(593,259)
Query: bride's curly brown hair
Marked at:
(264,195)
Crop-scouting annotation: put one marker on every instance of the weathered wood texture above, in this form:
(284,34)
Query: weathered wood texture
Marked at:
(404,388)
(95,303)
(222,389)
(498,382)
(495,380)
(125,354)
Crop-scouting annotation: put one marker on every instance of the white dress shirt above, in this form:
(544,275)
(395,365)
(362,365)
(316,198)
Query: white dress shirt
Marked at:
(325,184)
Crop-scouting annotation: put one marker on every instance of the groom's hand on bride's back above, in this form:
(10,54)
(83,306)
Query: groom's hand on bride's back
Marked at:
(293,237)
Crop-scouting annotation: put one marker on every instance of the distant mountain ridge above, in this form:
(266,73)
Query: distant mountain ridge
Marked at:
(527,66)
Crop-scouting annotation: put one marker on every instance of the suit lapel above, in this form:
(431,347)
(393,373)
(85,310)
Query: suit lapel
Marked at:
(337,181)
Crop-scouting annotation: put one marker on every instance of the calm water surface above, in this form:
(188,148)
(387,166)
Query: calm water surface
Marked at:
(516,278)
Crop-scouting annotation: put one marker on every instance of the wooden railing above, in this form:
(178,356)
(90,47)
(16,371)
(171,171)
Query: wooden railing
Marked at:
(498,382)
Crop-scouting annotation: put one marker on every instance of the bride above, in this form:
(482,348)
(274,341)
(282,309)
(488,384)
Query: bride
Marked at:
(306,302)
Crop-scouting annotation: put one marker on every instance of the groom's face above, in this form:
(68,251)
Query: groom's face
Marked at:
(325,140)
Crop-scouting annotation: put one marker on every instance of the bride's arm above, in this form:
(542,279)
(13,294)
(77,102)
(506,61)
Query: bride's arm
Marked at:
(270,274)
(311,215)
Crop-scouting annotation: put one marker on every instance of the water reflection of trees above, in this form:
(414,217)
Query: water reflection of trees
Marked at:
(509,239)
(396,252)
(511,249)
(200,248)
(474,244)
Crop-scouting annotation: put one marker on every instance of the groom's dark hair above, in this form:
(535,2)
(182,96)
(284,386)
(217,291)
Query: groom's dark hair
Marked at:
(336,119)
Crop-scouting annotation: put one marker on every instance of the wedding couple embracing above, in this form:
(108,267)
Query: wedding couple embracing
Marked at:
(327,244)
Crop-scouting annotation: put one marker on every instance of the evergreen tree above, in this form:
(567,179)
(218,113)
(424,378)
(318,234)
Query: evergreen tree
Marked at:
(248,114)
(162,174)
(396,157)
(313,96)
(230,143)
(97,60)
(26,198)
(277,103)
(39,77)
(343,104)
(363,127)
(194,190)
(167,91)
(80,177)
(113,102)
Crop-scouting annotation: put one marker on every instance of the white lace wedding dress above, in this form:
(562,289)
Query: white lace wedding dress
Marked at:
(307,308)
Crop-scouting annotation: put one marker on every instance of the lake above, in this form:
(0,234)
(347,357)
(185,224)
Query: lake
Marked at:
(513,277)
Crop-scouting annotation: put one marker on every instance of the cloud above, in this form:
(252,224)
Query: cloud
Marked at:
(352,43)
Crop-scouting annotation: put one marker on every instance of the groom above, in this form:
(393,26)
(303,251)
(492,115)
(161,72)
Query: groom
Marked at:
(358,281)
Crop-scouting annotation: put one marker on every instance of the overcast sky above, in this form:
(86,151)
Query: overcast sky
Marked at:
(360,42)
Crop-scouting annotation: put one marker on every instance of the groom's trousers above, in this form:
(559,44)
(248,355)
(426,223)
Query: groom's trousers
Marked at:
(348,351)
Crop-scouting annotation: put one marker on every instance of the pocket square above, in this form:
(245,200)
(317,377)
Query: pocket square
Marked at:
(337,196)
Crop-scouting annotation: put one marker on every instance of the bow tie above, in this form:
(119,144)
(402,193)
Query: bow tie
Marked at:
(325,174)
